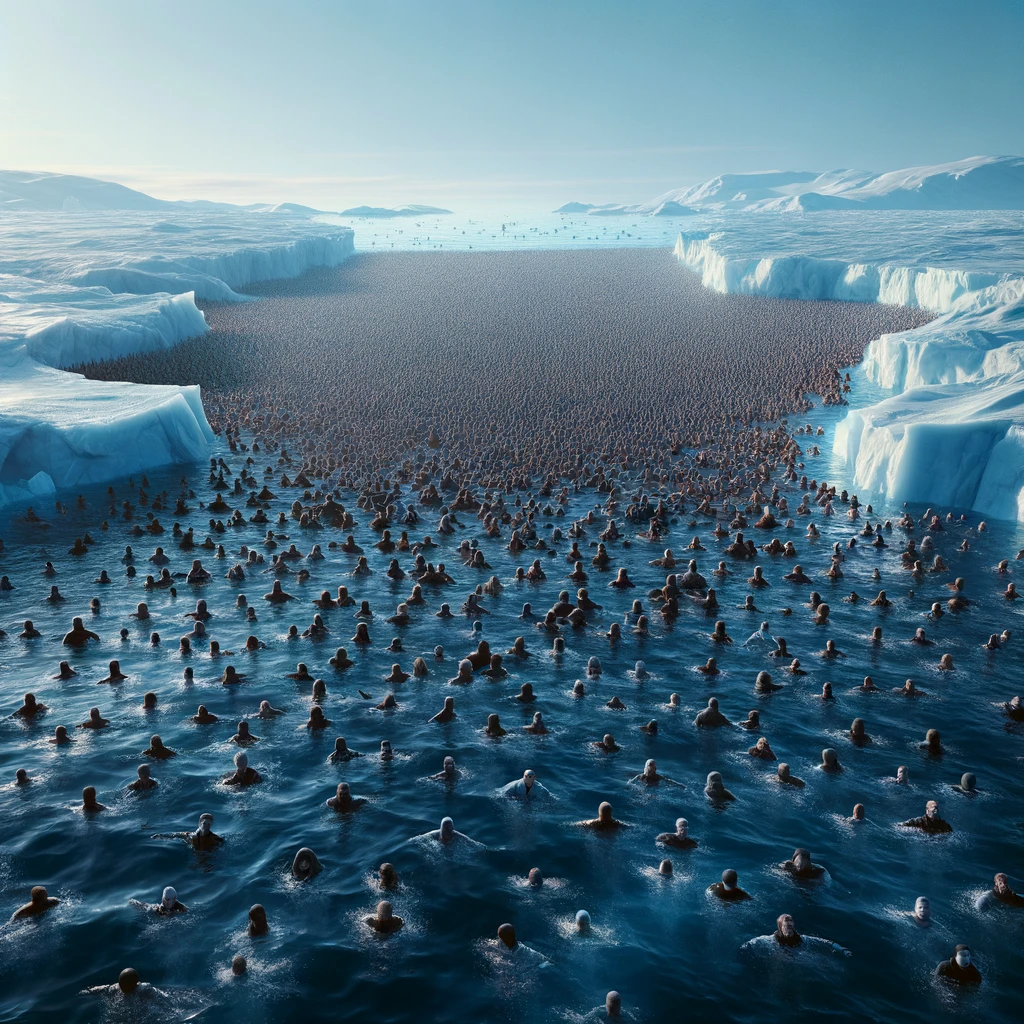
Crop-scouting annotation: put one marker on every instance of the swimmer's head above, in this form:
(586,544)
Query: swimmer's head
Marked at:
(305,865)
(239,966)
(535,878)
(447,829)
(507,934)
(604,812)
(128,980)
(613,1004)
(665,868)
(682,827)
(582,921)
(784,922)
(963,955)
(169,897)
(241,760)
(729,878)
(922,909)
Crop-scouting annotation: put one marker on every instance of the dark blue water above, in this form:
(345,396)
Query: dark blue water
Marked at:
(673,952)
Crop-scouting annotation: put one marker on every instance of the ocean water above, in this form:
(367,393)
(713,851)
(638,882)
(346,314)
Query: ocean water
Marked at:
(985,241)
(669,948)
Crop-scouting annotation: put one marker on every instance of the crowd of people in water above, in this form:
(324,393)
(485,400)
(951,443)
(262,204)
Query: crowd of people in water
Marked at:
(484,353)
(420,483)
(274,514)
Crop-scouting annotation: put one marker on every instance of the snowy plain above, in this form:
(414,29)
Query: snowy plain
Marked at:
(80,283)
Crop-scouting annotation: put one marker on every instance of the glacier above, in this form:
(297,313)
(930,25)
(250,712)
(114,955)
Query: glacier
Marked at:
(951,433)
(83,285)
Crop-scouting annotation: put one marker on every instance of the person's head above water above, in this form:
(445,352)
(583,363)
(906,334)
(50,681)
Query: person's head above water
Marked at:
(507,936)
(128,981)
(305,865)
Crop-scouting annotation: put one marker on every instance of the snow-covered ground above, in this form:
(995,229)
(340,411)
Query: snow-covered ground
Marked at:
(81,285)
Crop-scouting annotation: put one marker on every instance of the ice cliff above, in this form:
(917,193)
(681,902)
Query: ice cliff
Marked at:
(952,434)
(84,286)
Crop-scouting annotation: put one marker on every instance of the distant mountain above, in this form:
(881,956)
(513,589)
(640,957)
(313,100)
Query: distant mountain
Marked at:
(977,183)
(43,191)
(23,190)
(397,211)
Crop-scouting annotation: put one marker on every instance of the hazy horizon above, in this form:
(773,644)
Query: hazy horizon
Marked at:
(476,103)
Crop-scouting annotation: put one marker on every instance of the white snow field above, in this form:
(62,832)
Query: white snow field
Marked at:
(116,272)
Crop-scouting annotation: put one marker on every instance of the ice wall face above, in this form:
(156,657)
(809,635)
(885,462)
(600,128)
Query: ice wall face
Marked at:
(953,433)
(93,286)
(813,277)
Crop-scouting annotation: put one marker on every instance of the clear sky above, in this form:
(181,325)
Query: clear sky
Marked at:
(335,103)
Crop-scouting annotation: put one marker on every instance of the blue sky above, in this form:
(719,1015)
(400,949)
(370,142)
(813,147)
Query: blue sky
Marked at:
(384,101)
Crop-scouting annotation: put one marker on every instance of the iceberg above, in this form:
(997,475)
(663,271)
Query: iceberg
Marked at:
(82,284)
(952,433)
(959,445)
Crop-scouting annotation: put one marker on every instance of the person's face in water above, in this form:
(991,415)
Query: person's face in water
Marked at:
(786,926)
(963,958)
